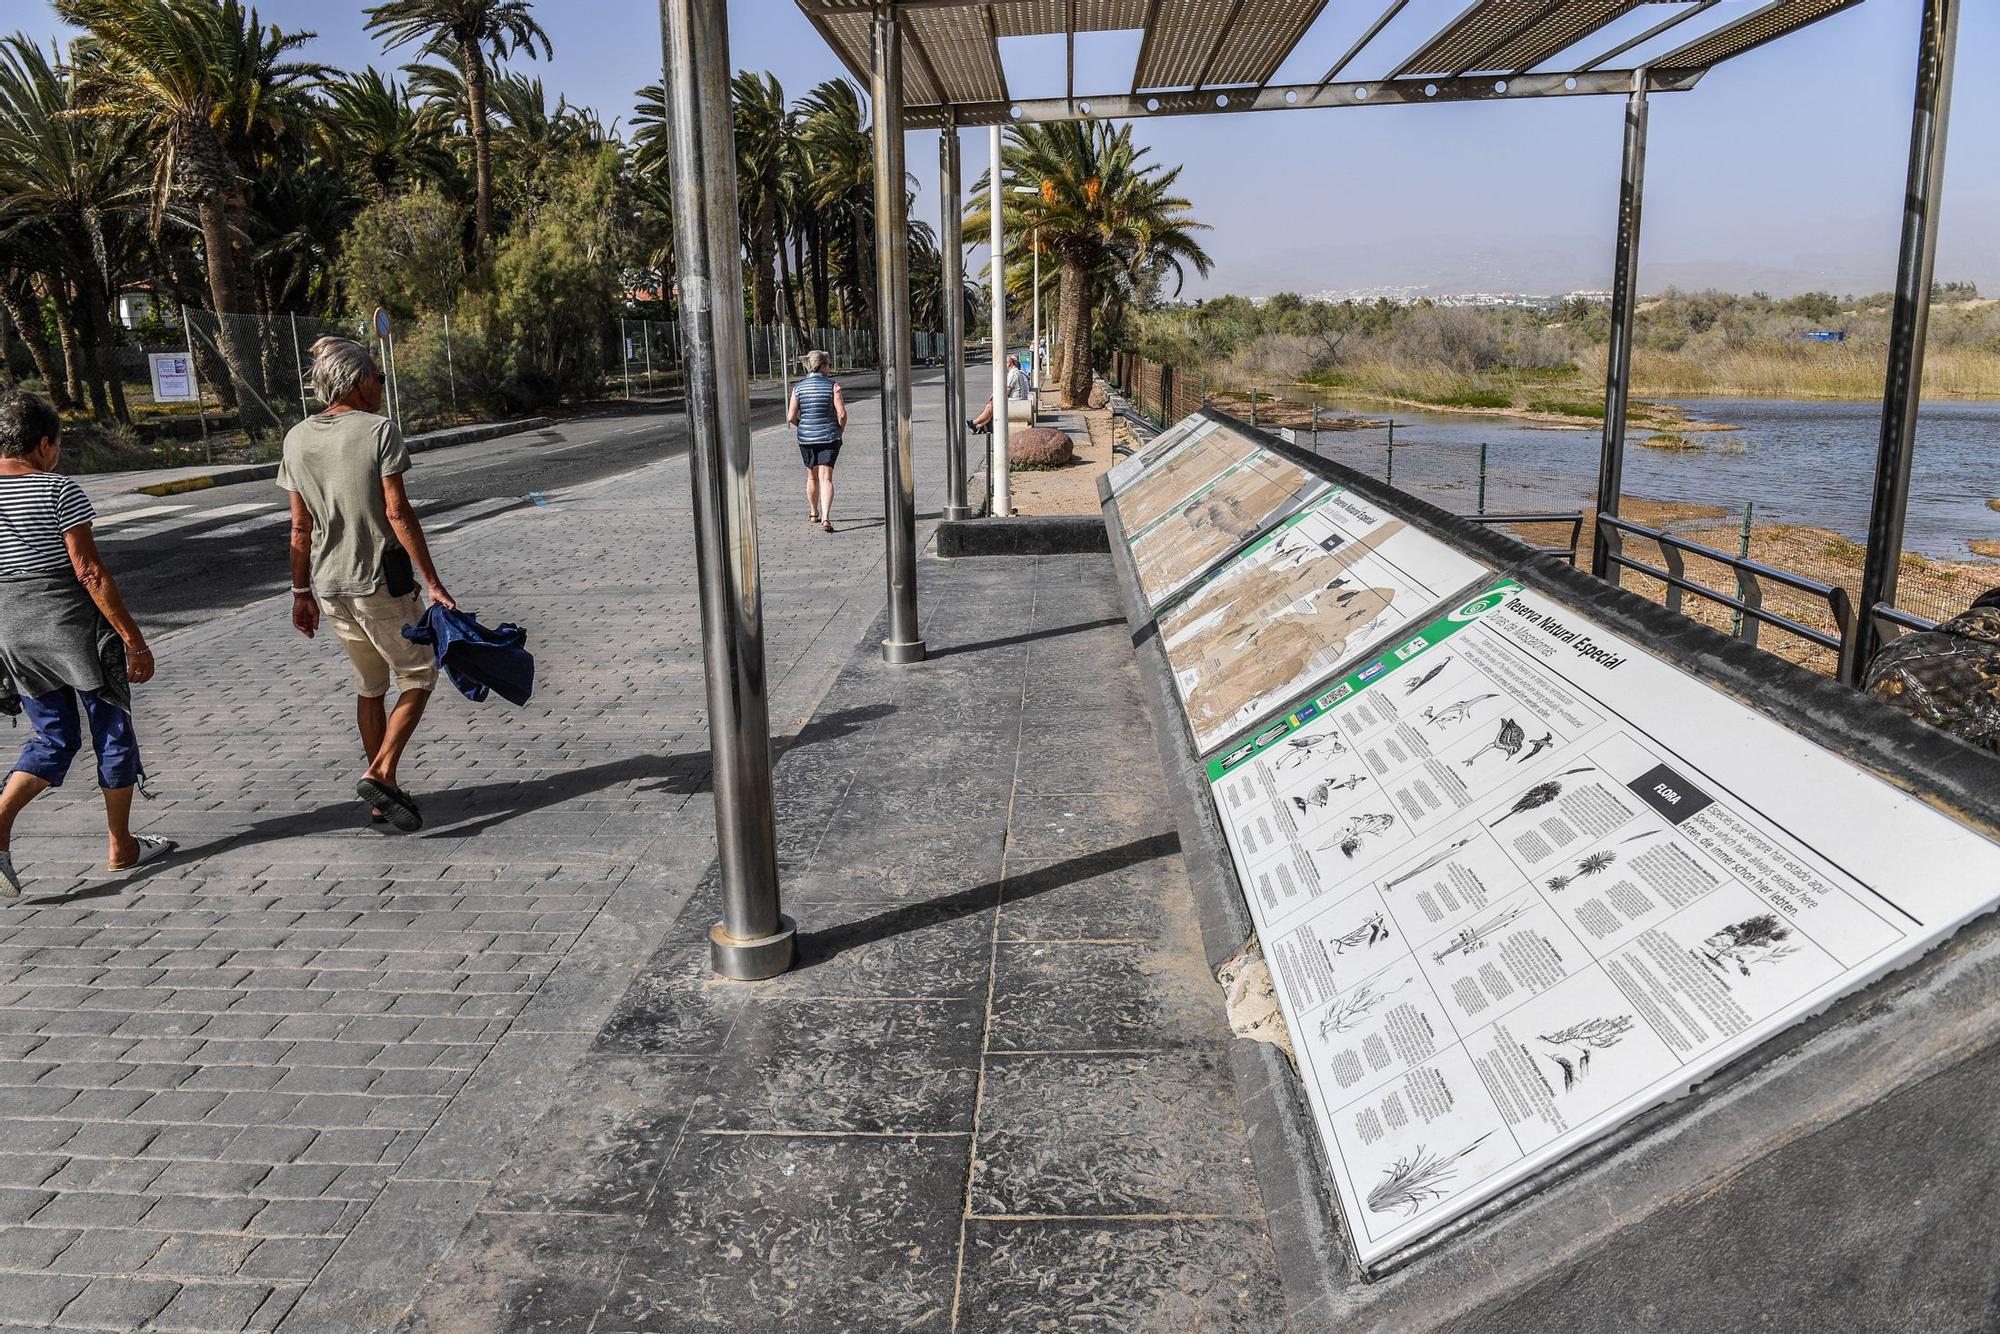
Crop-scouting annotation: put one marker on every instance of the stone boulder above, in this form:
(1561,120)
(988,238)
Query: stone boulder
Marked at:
(1040,447)
(1100,394)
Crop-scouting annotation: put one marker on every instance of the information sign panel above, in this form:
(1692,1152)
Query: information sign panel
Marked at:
(173,377)
(1189,539)
(1126,471)
(1519,881)
(1321,588)
(1208,452)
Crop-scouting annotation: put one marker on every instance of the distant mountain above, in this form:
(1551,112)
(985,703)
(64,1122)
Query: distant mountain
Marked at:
(1412,266)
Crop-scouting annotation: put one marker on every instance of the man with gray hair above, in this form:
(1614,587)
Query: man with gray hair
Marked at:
(357,554)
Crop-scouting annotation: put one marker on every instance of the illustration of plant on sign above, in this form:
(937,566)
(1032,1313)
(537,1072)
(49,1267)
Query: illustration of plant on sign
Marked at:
(1322,792)
(1374,929)
(1410,1183)
(1595,863)
(1584,1038)
(1470,940)
(1358,831)
(1426,864)
(1451,715)
(1744,944)
(1512,737)
(1420,682)
(1538,796)
(1356,1005)
(1302,748)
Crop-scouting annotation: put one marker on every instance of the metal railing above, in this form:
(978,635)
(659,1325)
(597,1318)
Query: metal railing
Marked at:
(1751,577)
(1892,623)
(1567,551)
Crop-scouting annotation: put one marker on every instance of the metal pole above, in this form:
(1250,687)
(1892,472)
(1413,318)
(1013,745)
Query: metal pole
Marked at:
(1035,244)
(450,366)
(1624,300)
(1482,478)
(1908,328)
(625,353)
(1253,411)
(952,234)
(754,939)
(892,322)
(1743,553)
(785,363)
(646,336)
(395,384)
(998,480)
(200,402)
(298,364)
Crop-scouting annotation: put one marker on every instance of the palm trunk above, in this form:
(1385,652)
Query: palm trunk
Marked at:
(473,66)
(816,254)
(863,260)
(1075,328)
(72,379)
(763,245)
(35,339)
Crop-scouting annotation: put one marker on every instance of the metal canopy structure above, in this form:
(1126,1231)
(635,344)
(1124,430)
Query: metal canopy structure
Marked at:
(1200,57)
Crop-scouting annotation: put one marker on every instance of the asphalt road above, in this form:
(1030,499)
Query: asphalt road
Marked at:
(182,559)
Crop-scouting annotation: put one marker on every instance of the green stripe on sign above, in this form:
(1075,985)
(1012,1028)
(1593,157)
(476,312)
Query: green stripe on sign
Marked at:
(1375,671)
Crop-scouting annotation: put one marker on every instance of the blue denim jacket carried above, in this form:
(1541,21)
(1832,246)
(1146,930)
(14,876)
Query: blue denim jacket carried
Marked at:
(479,661)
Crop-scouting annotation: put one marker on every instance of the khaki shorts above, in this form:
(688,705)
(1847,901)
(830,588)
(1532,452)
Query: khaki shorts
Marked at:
(370,628)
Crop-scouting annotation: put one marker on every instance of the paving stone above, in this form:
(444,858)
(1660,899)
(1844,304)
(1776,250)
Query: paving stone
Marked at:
(1090,996)
(206,1308)
(118,1303)
(110,1250)
(1118,1275)
(33,1247)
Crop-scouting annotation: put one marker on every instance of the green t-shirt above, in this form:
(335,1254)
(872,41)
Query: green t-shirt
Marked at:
(336,464)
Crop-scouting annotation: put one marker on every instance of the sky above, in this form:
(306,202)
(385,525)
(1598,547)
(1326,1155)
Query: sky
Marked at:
(1783,171)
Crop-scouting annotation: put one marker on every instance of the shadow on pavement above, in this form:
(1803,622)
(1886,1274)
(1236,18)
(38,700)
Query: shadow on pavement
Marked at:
(1029,637)
(817,947)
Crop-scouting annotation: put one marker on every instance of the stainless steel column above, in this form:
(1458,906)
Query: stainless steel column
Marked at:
(892,322)
(1624,300)
(754,939)
(1908,328)
(952,242)
(999,476)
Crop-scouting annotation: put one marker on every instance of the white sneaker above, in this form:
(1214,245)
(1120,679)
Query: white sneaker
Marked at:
(10,879)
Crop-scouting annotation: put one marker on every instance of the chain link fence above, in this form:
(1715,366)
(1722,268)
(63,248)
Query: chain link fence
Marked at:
(204,388)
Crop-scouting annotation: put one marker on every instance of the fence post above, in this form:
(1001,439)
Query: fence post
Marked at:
(450,366)
(1389,465)
(1742,553)
(200,402)
(625,356)
(1482,477)
(298,364)
(1392,432)
(1315,426)
(646,334)
(1253,405)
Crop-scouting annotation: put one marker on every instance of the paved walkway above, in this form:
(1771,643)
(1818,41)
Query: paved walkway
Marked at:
(271,1080)
(994,1095)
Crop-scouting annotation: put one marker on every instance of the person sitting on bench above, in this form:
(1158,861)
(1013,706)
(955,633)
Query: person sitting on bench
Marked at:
(1017,390)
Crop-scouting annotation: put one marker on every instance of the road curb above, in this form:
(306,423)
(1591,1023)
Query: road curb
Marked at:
(418,444)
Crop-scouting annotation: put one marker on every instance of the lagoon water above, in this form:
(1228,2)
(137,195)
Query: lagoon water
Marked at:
(1808,463)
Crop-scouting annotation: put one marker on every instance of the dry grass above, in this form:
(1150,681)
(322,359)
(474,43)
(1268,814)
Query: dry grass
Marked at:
(1810,370)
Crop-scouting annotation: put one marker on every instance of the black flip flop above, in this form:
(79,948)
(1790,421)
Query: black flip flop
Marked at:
(397,805)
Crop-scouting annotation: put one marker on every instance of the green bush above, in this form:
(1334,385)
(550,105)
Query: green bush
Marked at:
(1566,407)
(1475,398)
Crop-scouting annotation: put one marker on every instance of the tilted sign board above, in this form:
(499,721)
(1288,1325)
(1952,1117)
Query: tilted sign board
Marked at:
(1240,502)
(1519,880)
(1324,585)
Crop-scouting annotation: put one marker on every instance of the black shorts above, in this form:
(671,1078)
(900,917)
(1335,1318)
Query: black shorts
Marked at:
(820,456)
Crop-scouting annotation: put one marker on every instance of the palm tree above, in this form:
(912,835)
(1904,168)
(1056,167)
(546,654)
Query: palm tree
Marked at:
(373,127)
(470,31)
(766,158)
(64,182)
(838,151)
(204,81)
(1104,215)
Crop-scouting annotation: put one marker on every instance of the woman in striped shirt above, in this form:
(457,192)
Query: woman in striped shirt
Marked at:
(819,410)
(69,650)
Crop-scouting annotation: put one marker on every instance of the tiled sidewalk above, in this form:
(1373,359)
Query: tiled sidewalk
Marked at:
(270,1080)
(993,1096)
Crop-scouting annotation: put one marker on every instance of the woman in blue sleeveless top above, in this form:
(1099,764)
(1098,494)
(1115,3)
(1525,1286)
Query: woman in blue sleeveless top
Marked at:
(819,410)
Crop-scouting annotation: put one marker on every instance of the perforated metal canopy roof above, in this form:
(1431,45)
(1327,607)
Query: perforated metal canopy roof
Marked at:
(1205,56)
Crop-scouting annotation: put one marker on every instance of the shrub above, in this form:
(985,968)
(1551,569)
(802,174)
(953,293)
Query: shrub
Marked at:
(405,254)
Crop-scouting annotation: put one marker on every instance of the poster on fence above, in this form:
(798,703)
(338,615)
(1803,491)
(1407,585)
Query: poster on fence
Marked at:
(1520,881)
(173,378)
